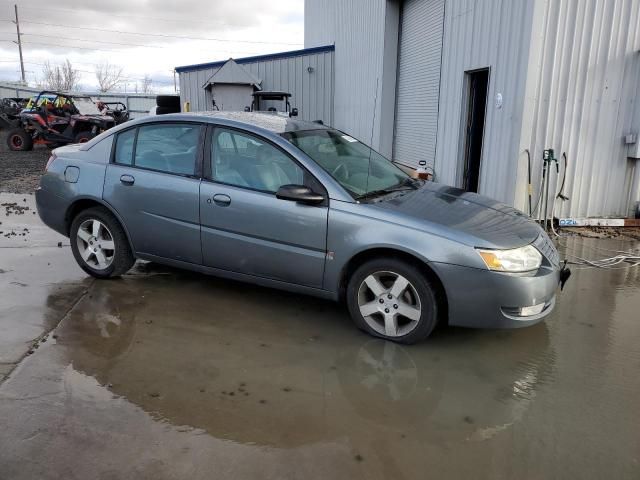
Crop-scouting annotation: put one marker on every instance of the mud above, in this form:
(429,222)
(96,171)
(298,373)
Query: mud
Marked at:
(166,374)
(20,171)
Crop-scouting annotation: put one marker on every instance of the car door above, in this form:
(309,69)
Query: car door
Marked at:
(153,182)
(245,228)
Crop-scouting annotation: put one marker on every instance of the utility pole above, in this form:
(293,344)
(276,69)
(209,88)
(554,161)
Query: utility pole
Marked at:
(19,42)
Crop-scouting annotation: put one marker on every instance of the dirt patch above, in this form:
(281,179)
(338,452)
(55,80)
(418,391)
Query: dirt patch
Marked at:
(20,171)
(603,232)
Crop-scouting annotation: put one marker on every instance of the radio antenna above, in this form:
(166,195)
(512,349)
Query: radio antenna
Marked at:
(373,121)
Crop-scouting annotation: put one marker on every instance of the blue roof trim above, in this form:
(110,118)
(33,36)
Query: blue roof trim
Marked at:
(258,58)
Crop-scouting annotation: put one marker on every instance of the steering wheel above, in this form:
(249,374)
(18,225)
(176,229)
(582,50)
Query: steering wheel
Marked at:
(341,168)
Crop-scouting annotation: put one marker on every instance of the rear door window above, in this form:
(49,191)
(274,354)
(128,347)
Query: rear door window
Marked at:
(171,148)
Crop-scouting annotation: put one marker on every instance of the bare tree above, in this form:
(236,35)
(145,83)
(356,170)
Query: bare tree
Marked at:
(108,76)
(145,85)
(59,77)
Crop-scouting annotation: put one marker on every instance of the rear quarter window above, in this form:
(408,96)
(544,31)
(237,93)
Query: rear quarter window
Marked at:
(124,147)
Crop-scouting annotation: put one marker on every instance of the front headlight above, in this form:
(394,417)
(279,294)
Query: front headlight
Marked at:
(523,259)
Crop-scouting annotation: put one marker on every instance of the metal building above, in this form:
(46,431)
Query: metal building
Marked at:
(475,87)
(306,74)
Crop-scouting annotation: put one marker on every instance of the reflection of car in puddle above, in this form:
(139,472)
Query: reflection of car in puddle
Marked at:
(392,370)
(103,323)
(486,382)
(181,360)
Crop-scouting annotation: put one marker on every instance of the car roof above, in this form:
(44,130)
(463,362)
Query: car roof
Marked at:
(272,122)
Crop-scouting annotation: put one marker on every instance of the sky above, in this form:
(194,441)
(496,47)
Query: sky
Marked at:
(144,37)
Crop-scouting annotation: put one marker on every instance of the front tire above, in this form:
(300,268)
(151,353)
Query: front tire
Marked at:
(19,140)
(99,244)
(391,299)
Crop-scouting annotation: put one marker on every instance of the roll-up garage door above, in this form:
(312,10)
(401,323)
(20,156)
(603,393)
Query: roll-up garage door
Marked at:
(418,81)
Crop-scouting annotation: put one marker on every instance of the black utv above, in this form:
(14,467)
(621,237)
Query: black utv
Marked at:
(54,119)
(117,110)
(10,108)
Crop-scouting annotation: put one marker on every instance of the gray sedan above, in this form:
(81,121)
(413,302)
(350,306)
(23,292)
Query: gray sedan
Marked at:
(296,205)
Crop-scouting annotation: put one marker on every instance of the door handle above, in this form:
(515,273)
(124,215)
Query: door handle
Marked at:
(222,200)
(127,180)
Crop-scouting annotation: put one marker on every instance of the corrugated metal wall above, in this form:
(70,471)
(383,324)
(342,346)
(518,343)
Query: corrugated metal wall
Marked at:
(358,29)
(418,86)
(568,72)
(312,92)
(586,95)
(479,34)
(137,104)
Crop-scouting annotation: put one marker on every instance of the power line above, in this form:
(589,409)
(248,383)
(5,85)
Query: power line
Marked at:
(161,35)
(188,22)
(91,41)
(63,46)
(124,44)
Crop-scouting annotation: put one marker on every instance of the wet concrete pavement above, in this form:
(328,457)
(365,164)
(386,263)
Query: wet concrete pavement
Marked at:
(38,284)
(171,375)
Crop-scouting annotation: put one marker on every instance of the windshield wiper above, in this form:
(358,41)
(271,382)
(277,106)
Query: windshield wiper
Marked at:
(407,184)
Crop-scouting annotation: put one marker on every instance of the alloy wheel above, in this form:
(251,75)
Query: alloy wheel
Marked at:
(389,303)
(95,244)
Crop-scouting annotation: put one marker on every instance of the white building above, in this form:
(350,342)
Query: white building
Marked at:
(471,86)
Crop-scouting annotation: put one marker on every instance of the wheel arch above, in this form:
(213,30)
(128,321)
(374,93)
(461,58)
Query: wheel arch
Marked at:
(84,203)
(384,252)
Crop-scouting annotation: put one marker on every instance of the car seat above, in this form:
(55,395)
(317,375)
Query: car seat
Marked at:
(152,159)
(274,170)
(223,172)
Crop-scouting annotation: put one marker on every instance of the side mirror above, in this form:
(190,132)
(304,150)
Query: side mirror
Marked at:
(299,193)
(294,112)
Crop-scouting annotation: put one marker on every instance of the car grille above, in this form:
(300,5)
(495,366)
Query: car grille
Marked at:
(544,244)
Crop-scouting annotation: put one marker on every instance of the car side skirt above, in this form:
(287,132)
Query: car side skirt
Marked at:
(241,277)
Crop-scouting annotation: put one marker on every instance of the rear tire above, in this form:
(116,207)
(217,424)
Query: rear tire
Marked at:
(19,140)
(101,249)
(83,137)
(392,299)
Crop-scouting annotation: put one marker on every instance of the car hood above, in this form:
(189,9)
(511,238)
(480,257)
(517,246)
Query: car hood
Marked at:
(464,216)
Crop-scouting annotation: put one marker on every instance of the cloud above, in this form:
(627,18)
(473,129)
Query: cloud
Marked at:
(175,33)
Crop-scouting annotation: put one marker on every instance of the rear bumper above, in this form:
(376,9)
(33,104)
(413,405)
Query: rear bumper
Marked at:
(51,209)
(484,299)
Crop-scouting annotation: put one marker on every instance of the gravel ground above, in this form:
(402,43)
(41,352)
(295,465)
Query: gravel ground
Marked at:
(20,171)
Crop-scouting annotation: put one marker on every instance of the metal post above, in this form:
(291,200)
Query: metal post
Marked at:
(19,42)
(546,197)
(175,84)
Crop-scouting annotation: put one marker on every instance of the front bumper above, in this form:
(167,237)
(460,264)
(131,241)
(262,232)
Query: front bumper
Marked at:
(485,299)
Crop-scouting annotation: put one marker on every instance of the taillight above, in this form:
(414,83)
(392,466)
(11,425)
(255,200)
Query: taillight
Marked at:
(50,161)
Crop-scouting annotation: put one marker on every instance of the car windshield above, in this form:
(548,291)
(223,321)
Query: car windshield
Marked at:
(86,106)
(362,171)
